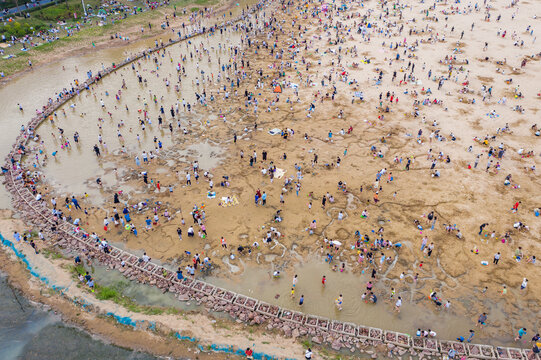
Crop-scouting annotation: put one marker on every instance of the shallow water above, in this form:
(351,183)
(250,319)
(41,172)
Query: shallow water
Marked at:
(141,294)
(257,282)
(26,333)
(76,169)
(51,78)
(19,321)
(76,345)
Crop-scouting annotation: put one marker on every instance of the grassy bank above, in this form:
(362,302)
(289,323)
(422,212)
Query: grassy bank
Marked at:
(90,35)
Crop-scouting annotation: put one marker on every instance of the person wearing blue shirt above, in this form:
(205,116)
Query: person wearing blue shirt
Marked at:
(179,274)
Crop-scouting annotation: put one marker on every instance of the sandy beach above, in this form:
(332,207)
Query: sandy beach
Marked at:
(389,147)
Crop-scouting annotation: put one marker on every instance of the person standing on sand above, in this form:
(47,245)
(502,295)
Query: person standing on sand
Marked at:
(424,242)
(339,302)
(524,284)
(433,223)
(521,332)
(430,249)
(472,333)
(481,321)
(398,304)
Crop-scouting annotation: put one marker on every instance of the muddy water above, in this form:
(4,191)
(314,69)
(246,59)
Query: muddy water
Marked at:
(76,344)
(141,294)
(26,333)
(76,168)
(257,282)
(19,321)
(33,89)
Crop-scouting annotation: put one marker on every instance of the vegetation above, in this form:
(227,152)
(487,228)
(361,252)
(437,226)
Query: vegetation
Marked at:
(48,16)
(19,29)
(51,253)
(115,294)
(63,12)
(7,4)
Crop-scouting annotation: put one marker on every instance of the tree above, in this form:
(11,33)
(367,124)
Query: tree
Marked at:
(17,7)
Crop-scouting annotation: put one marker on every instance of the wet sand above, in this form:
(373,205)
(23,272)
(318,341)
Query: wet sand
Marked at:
(477,197)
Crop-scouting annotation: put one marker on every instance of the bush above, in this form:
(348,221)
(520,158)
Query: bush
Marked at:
(17,29)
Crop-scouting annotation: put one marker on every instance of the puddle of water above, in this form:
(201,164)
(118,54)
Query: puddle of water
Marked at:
(232,268)
(76,168)
(208,155)
(140,293)
(257,282)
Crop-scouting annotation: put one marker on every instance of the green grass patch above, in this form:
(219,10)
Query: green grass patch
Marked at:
(172,311)
(47,16)
(78,270)
(115,293)
(107,293)
(63,12)
(51,253)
